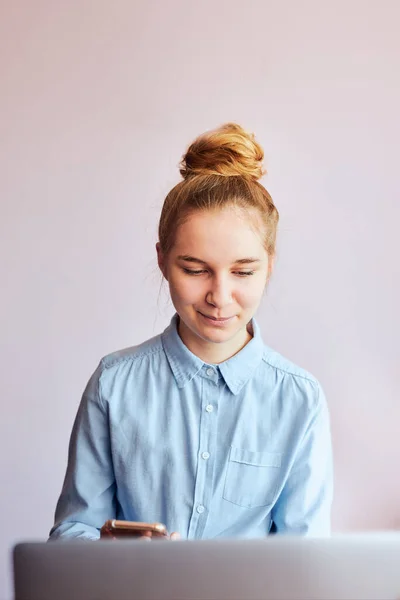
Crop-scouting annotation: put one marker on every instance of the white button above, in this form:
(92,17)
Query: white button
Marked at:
(205,455)
(200,509)
(210,372)
(209,408)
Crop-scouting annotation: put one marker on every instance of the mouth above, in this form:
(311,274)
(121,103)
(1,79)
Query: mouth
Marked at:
(215,319)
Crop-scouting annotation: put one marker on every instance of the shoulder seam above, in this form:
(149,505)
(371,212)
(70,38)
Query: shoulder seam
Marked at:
(99,392)
(132,357)
(119,360)
(311,379)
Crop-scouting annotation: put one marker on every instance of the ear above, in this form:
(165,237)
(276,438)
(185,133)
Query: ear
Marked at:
(161,261)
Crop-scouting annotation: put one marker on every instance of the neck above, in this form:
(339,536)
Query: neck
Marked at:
(210,352)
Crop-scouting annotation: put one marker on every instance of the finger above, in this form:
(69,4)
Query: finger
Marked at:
(175,536)
(145,538)
(147,534)
(105,533)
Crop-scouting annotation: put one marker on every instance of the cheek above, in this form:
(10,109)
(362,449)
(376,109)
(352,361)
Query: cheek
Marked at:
(185,289)
(250,294)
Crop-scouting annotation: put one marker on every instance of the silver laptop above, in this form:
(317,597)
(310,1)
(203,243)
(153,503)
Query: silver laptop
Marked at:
(277,568)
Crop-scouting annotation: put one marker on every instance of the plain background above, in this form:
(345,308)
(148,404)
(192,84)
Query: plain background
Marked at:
(99,100)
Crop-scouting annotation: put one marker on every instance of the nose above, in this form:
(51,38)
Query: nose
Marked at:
(219,293)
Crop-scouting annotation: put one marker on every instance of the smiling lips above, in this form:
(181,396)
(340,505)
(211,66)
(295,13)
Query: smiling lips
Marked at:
(220,320)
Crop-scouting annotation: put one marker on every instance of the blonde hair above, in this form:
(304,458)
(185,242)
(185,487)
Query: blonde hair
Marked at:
(220,168)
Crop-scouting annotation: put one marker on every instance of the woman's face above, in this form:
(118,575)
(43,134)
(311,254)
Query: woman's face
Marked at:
(217,271)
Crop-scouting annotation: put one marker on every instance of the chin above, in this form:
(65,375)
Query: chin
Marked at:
(216,337)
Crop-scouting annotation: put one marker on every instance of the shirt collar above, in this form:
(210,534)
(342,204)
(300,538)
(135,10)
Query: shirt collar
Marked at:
(236,371)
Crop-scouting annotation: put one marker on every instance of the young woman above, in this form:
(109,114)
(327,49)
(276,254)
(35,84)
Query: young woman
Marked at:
(204,428)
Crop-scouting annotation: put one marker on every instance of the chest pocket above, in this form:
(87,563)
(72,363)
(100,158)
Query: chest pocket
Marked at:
(252,478)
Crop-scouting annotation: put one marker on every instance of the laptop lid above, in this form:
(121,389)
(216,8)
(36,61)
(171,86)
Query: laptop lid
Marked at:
(278,568)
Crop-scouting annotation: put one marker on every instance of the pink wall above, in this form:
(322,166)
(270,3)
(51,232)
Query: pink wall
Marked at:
(98,101)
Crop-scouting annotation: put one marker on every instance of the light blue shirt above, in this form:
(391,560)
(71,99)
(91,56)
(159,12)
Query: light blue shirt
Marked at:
(208,450)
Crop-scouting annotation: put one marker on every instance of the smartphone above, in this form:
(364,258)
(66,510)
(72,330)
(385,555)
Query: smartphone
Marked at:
(124,529)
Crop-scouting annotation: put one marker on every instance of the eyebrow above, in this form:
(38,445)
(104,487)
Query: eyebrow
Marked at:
(240,261)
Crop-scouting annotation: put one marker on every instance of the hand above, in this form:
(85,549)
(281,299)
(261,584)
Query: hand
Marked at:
(106,533)
(147,535)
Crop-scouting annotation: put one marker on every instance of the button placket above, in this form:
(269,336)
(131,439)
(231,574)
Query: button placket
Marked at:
(206,456)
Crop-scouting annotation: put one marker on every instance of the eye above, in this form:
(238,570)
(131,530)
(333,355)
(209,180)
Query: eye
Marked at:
(201,271)
(190,272)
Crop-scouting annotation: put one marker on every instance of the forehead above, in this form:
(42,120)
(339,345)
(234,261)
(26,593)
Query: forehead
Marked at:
(220,236)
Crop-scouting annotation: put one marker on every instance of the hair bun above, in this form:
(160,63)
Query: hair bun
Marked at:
(228,150)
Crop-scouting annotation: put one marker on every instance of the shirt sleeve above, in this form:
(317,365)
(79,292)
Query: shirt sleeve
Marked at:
(87,498)
(304,505)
